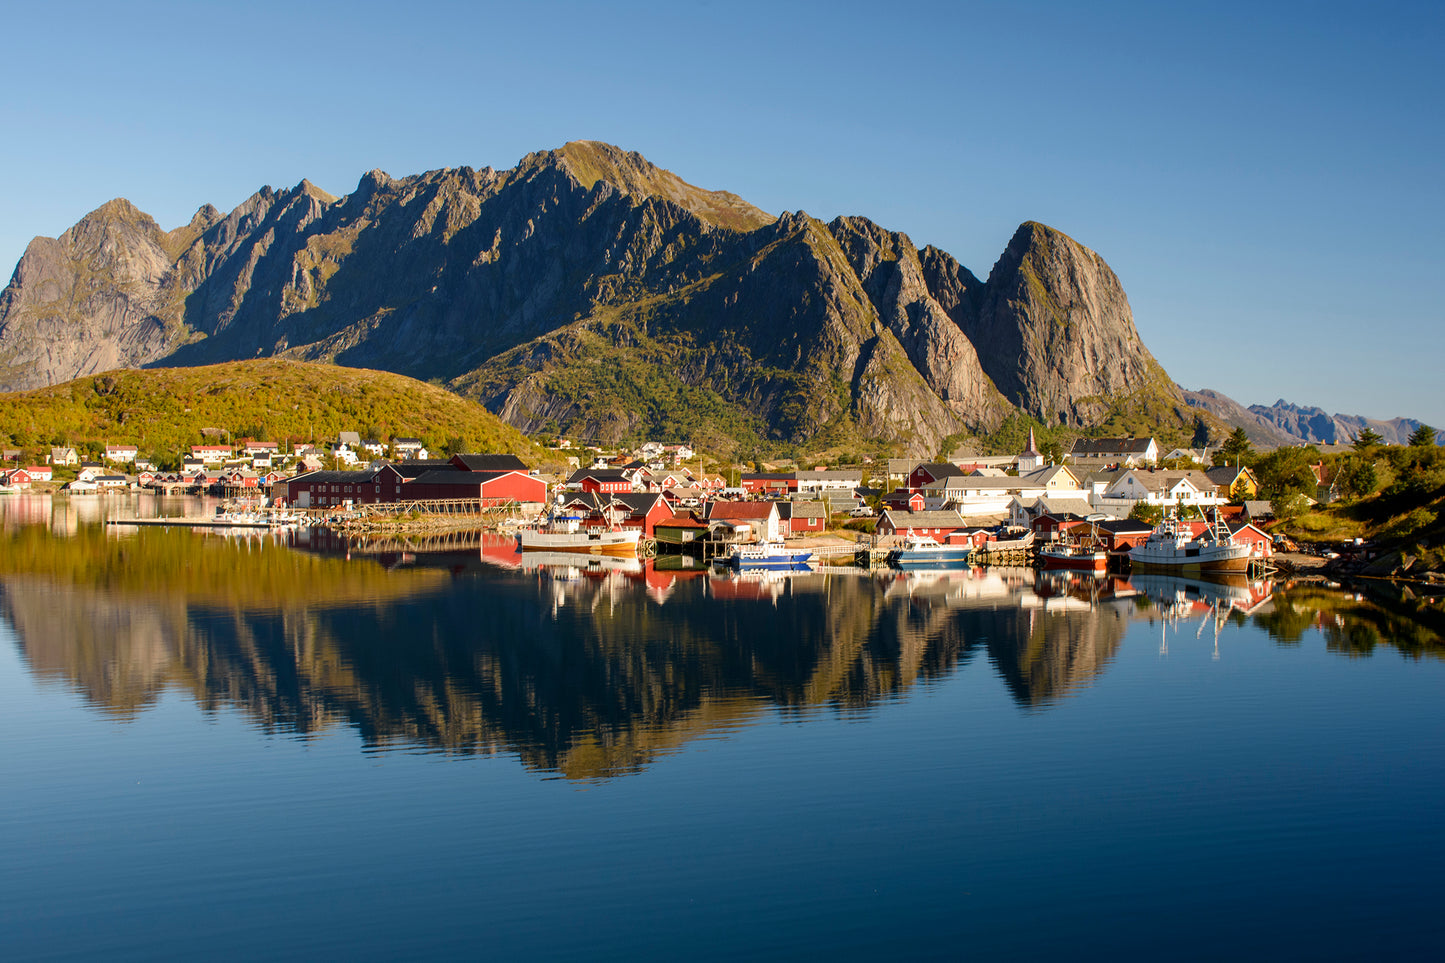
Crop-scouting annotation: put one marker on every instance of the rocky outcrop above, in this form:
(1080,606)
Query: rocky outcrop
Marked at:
(1055,330)
(589,290)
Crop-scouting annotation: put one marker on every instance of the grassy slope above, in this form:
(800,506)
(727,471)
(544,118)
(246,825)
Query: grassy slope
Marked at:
(1412,526)
(163,410)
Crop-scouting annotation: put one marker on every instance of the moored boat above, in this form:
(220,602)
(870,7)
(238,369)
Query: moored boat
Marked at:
(1074,557)
(924,551)
(769,555)
(1173,548)
(566,534)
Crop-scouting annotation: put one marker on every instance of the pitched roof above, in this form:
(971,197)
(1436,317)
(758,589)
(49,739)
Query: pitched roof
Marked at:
(329,477)
(680,521)
(1107,446)
(940,469)
(1226,475)
(727,511)
(488,462)
(1126,526)
(639,502)
(1047,474)
(599,474)
(937,519)
(450,476)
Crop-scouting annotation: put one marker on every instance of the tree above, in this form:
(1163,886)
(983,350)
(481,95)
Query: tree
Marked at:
(1366,441)
(1146,513)
(1236,447)
(1422,437)
(1052,451)
(1201,433)
(1290,506)
(1286,471)
(1359,479)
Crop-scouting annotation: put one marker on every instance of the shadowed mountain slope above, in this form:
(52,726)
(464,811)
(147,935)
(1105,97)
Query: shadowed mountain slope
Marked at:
(587,290)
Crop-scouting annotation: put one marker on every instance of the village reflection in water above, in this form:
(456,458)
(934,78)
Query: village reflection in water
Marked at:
(586,668)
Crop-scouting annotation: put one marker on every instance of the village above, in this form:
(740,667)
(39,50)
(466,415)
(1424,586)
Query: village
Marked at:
(1111,490)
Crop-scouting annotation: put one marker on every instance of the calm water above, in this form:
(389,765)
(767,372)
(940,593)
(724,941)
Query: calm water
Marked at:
(243,748)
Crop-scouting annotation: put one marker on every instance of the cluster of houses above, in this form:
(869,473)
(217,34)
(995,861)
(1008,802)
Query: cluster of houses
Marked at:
(1098,487)
(654,489)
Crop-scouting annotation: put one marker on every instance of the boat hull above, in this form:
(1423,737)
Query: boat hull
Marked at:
(774,559)
(613,544)
(1216,566)
(1092,562)
(931,558)
(771,565)
(915,563)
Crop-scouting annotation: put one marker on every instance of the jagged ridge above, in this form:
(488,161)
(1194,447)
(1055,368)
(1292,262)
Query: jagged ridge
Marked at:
(590,290)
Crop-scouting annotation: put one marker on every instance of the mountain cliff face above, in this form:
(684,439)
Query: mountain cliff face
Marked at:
(588,290)
(1061,334)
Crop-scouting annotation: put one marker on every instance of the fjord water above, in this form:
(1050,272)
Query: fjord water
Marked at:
(259,747)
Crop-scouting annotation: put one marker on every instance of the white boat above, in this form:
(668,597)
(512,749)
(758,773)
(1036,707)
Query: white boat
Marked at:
(1074,557)
(565,534)
(769,555)
(1173,548)
(925,551)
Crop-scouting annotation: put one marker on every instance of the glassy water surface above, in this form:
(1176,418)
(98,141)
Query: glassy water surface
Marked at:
(243,747)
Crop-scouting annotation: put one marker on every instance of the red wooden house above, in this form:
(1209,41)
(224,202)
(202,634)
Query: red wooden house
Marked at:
(937,471)
(940,525)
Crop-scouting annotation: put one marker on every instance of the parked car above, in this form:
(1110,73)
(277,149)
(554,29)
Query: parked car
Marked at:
(862,511)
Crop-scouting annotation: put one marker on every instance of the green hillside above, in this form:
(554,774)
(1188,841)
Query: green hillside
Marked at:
(165,410)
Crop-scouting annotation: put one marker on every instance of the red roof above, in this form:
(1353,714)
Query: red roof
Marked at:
(680,521)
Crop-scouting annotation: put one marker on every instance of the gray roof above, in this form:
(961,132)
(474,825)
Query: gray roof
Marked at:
(492,462)
(939,519)
(331,477)
(1102,446)
(1225,474)
(940,469)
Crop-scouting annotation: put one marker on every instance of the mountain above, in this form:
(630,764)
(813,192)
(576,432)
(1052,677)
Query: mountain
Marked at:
(1283,423)
(587,290)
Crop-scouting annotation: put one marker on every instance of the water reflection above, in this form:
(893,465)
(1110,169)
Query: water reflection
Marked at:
(589,668)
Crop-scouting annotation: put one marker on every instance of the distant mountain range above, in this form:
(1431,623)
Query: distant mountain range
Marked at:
(588,291)
(1283,423)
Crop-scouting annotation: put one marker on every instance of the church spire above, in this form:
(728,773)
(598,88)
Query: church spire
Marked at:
(1032,449)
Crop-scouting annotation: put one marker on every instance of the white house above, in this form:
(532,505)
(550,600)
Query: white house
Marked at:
(1122,451)
(1163,488)
(992,495)
(211,454)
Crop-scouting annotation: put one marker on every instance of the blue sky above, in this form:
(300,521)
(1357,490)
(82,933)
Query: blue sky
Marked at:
(1265,179)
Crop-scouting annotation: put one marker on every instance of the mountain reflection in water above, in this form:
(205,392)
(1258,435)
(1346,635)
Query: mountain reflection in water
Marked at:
(585,668)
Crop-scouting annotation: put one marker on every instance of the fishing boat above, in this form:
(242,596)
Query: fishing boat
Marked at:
(565,533)
(924,551)
(1174,549)
(1075,557)
(768,555)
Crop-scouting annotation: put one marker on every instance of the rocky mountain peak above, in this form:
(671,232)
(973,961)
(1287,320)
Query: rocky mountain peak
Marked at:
(1063,336)
(311,190)
(590,161)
